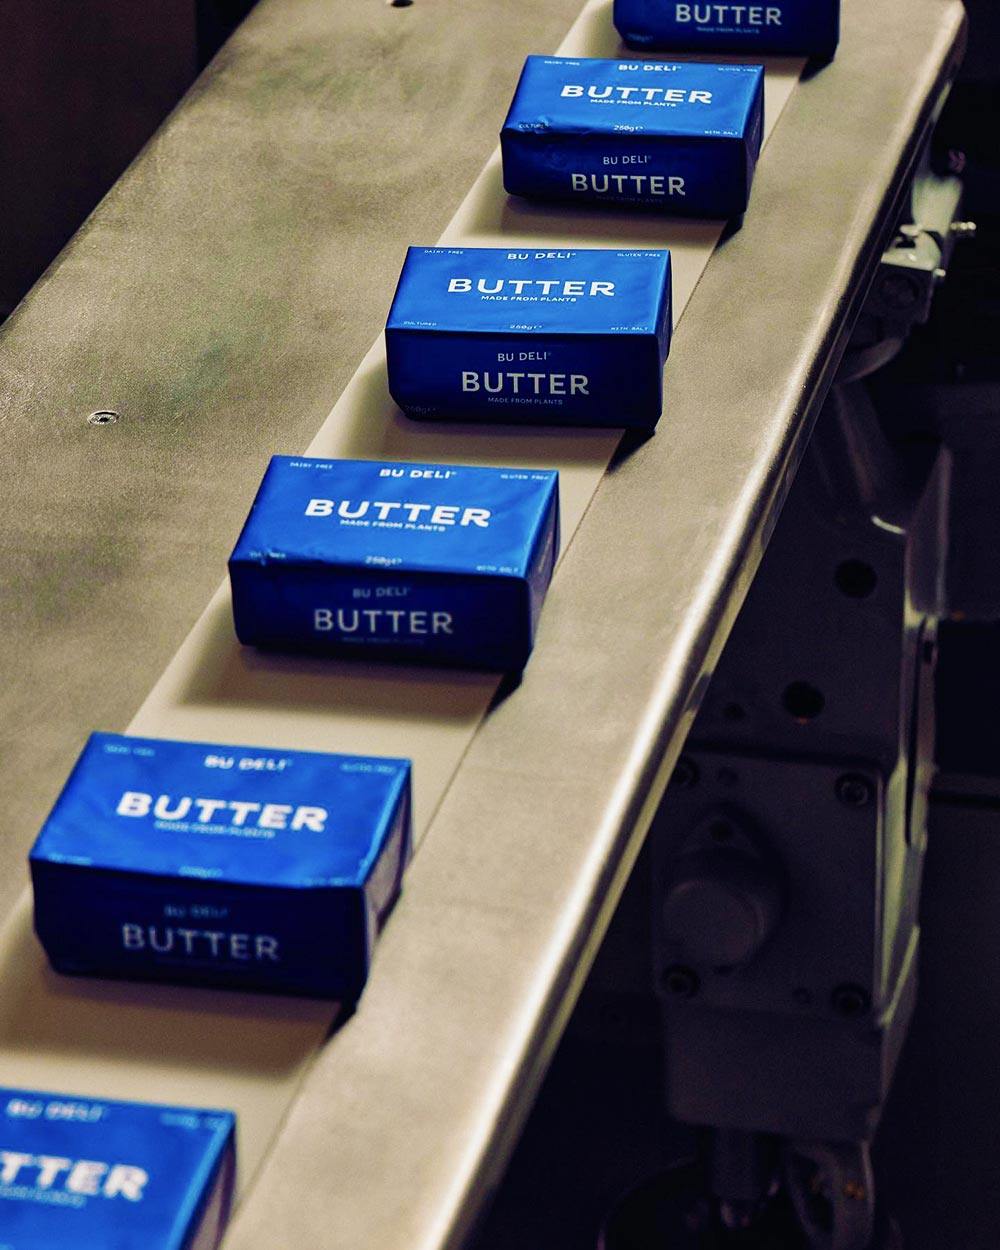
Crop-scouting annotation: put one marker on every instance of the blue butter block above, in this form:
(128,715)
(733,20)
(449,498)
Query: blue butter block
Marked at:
(93,1174)
(800,27)
(443,564)
(237,867)
(570,337)
(679,138)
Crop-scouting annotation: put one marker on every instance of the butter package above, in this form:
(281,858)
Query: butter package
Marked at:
(95,1174)
(235,867)
(682,139)
(564,337)
(790,27)
(443,564)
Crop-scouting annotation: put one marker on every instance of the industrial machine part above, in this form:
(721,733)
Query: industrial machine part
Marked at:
(913,267)
(787,855)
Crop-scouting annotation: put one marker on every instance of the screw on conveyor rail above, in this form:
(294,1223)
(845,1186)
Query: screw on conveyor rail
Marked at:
(854,790)
(104,416)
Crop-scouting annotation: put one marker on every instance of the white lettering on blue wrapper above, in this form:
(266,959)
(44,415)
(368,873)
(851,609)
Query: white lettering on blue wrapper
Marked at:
(541,286)
(380,622)
(85,1177)
(526,383)
(440,514)
(238,811)
(628,184)
(728,14)
(651,95)
(200,943)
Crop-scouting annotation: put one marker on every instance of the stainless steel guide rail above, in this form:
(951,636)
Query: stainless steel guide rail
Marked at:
(220,315)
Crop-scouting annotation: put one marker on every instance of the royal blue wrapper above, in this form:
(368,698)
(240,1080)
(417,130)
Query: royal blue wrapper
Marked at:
(679,138)
(789,27)
(236,867)
(551,337)
(79,1173)
(438,564)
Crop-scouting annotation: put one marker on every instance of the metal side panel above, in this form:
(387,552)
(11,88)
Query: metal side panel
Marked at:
(199,302)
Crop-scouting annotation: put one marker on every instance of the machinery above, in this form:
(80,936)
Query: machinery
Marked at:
(779,894)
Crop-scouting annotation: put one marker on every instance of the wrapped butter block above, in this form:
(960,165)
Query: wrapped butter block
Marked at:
(556,337)
(679,138)
(94,1174)
(799,27)
(443,564)
(236,867)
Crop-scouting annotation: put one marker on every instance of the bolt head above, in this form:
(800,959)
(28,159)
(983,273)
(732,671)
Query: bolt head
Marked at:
(855,790)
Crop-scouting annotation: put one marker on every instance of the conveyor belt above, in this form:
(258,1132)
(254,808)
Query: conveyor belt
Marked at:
(532,822)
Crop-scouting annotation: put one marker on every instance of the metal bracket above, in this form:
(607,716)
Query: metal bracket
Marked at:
(814,739)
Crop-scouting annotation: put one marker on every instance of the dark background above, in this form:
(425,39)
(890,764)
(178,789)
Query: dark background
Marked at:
(82,87)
